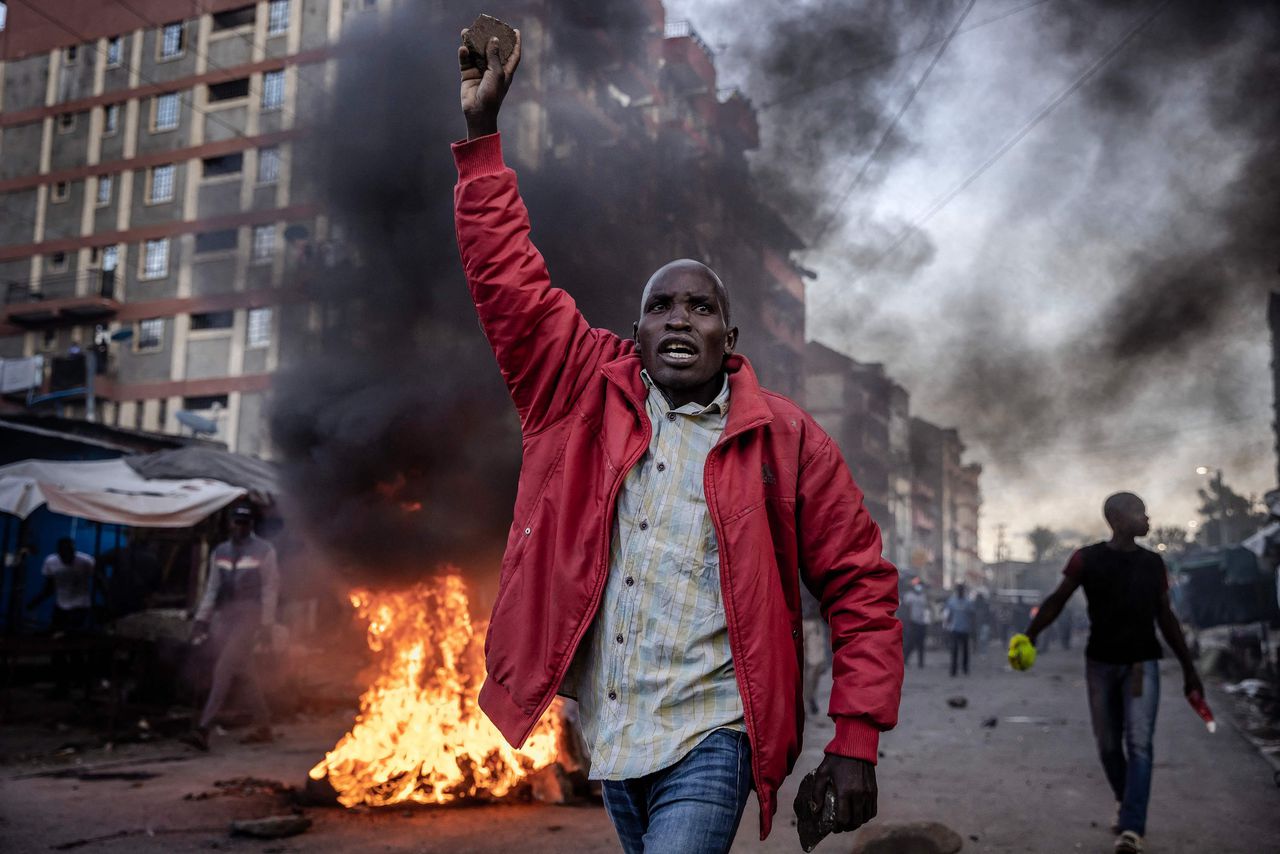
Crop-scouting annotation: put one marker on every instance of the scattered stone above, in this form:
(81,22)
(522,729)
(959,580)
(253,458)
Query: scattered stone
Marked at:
(271,827)
(990,723)
(917,837)
(551,785)
(481,30)
(957,702)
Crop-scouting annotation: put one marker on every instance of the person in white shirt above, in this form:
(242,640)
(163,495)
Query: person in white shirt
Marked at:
(69,576)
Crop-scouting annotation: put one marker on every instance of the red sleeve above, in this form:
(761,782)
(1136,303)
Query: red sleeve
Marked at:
(1075,566)
(841,562)
(545,349)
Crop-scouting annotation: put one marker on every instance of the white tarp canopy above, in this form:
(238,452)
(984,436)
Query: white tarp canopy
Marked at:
(110,491)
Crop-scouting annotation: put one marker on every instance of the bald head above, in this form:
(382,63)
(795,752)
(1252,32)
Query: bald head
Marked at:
(1126,514)
(687,267)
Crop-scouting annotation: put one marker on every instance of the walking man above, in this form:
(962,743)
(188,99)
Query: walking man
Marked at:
(668,510)
(915,625)
(1127,592)
(240,602)
(958,621)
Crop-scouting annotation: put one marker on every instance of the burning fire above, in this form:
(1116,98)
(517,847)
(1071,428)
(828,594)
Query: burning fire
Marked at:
(420,735)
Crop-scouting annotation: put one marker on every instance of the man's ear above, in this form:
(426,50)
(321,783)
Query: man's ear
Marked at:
(635,332)
(730,341)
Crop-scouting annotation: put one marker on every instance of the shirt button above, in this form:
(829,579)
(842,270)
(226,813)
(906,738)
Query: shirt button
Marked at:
(619,638)
(644,526)
(662,466)
(630,581)
(671,416)
(795,633)
(613,695)
(528,531)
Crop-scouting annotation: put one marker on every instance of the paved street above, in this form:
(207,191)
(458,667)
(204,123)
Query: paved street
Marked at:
(1020,787)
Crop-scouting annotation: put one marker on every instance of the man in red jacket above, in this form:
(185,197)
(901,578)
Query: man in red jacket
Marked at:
(668,508)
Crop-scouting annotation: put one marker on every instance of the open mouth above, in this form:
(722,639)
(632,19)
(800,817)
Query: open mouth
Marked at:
(677,352)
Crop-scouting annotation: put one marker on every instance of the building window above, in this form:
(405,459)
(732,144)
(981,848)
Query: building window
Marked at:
(264,242)
(259,331)
(277,17)
(110,119)
(269,164)
(104,190)
(172,41)
(160,184)
(155,258)
(66,122)
(272,89)
(61,191)
(205,402)
(234,18)
(71,54)
(164,112)
(229,90)
(217,241)
(212,320)
(55,263)
(115,51)
(149,336)
(227,164)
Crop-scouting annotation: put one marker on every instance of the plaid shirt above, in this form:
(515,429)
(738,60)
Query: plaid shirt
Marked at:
(654,674)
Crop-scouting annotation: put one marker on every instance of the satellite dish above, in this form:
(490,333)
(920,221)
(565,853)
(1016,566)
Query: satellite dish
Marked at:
(197,423)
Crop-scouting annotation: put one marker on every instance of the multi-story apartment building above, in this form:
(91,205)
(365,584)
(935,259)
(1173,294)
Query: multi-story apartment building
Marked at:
(946,504)
(867,414)
(152,198)
(145,181)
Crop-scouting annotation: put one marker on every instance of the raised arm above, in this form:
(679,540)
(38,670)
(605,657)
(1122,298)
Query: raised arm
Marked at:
(546,351)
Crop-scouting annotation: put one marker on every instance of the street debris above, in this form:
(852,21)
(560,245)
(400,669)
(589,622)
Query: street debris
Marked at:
(271,827)
(916,837)
(240,787)
(990,723)
(1035,721)
(958,702)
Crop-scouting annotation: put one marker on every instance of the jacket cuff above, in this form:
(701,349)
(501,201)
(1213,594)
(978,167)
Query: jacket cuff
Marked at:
(479,156)
(855,738)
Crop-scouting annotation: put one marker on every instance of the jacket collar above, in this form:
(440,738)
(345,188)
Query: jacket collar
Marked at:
(749,409)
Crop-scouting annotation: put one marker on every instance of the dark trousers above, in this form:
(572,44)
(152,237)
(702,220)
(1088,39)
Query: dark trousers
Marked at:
(913,637)
(959,651)
(70,669)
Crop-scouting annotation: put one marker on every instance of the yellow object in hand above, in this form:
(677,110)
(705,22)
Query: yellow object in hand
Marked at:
(1022,652)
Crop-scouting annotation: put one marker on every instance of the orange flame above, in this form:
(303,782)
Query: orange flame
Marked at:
(420,736)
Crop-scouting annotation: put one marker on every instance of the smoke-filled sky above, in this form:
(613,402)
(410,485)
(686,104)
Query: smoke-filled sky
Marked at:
(1089,310)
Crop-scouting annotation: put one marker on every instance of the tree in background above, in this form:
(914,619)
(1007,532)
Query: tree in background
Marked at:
(1228,516)
(1168,539)
(1044,543)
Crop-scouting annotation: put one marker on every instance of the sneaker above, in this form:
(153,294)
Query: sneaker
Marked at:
(1115,822)
(197,738)
(1128,843)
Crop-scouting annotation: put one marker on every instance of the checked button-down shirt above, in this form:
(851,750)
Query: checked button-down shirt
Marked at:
(654,674)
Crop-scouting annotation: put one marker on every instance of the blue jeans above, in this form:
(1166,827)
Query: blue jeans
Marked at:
(692,806)
(1124,722)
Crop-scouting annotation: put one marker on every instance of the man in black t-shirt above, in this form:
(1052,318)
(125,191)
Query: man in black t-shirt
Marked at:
(1127,591)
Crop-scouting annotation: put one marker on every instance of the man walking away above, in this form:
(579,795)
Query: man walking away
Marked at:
(240,602)
(68,577)
(915,624)
(1127,591)
(958,621)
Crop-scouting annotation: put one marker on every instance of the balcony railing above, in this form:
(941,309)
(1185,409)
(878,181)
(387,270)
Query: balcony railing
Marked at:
(685,30)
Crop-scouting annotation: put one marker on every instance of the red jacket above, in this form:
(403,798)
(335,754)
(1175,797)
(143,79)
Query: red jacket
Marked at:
(779,494)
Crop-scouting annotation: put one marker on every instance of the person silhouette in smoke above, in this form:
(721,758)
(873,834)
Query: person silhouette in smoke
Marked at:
(1127,589)
(668,510)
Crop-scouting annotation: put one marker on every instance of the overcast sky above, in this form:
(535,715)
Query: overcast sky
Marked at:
(1006,280)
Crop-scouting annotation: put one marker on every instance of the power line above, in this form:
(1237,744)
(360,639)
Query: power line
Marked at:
(893,125)
(891,58)
(1040,115)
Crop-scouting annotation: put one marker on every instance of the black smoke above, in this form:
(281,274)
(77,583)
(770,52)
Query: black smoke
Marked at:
(400,445)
